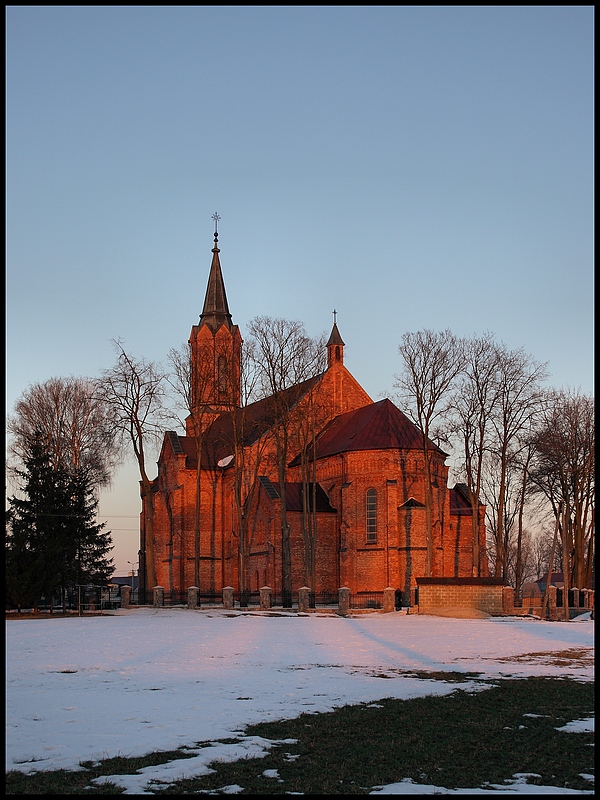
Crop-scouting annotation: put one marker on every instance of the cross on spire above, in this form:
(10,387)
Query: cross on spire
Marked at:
(334,316)
(216,218)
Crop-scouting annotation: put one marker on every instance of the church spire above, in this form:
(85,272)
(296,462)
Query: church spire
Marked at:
(335,345)
(216,310)
(215,354)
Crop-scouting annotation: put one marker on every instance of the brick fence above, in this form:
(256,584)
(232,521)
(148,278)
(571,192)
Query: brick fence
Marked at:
(432,595)
(481,594)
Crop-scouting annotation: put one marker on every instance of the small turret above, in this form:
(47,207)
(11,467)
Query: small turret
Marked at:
(335,345)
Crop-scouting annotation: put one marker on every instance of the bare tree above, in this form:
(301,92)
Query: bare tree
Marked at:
(522,560)
(522,548)
(474,402)
(250,442)
(192,378)
(519,400)
(316,411)
(286,357)
(551,560)
(134,390)
(238,442)
(542,554)
(563,470)
(432,362)
(74,425)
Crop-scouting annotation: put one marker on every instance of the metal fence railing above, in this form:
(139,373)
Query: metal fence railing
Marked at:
(320,599)
(366,600)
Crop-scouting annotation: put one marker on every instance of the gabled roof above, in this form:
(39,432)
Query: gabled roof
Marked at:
(459,501)
(293,495)
(412,503)
(174,442)
(377,426)
(247,425)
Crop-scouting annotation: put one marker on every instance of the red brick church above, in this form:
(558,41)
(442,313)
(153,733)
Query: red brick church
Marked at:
(354,490)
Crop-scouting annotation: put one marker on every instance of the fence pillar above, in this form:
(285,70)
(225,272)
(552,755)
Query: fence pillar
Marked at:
(158,596)
(414,598)
(303,598)
(389,599)
(508,600)
(228,597)
(575,598)
(193,597)
(265,598)
(125,596)
(344,601)
(587,596)
(552,603)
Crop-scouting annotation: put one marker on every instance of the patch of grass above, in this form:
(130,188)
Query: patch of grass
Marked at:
(464,739)
(78,782)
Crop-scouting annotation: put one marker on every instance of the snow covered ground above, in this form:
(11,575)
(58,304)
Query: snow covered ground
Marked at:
(134,681)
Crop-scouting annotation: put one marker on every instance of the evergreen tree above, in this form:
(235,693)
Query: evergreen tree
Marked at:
(89,543)
(34,529)
(53,541)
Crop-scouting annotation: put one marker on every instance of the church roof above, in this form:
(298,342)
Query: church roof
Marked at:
(248,423)
(216,309)
(293,495)
(378,426)
(460,505)
(459,500)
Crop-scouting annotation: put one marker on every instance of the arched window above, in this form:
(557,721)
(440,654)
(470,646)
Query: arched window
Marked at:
(371,516)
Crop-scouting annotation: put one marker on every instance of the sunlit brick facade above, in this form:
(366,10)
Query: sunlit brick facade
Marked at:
(366,508)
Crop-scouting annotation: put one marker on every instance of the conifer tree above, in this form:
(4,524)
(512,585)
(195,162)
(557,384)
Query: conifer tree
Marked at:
(89,543)
(34,528)
(53,541)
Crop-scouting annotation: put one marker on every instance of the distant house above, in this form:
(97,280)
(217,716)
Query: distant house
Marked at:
(125,581)
(537,588)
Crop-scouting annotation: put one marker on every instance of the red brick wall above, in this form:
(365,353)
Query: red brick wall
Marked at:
(397,555)
(344,392)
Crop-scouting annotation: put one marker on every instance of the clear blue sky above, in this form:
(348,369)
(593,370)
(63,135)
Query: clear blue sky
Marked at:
(411,167)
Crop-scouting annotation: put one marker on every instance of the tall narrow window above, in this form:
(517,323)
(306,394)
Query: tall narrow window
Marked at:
(371,516)
(222,377)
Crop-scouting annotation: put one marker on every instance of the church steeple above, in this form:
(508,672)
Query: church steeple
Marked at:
(216,310)
(335,345)
(215,353)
